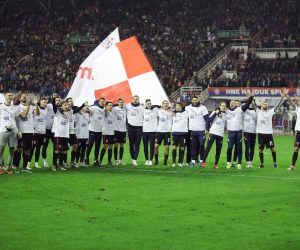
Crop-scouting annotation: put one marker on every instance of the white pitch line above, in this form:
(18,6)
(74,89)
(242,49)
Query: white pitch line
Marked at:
(197,173)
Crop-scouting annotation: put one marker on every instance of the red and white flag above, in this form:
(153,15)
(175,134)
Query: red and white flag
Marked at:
(124,71)
(83,86)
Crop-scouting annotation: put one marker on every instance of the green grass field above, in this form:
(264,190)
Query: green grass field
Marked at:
(154,207)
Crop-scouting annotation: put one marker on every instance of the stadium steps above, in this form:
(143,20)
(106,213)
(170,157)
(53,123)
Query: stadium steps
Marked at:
(203,71)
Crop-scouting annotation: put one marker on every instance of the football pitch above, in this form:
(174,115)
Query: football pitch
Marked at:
(125,207)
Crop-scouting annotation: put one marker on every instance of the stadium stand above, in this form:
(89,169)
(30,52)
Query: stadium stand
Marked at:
(259,72)
(42,46)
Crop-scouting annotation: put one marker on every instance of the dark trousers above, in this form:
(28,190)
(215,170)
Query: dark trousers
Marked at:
(82,145)
(188,149)
(235,139)
(149,141)
(197,143)
(49,136)
(135,135)
(249,140)
(38,141)
(94,138)
(210,142)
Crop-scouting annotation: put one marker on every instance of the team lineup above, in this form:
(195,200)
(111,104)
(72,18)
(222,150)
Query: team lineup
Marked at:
(27,129)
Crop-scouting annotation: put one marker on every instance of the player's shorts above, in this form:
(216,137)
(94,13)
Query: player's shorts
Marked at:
(8,137)
(39,139)
(108,139)
(61,143)
(163,136)
(297,139)
(120,137)
(49,134)
(26,141)
(82,141)
(179,140)
(265,140)
(73,139)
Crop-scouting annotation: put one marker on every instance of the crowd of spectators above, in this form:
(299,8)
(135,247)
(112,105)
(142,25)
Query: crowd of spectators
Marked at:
(257,72)
(179,37)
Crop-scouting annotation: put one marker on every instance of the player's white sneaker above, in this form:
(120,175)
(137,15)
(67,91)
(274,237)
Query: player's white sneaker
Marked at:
(45,163)
(134,163)
(150,163)
(26,170)
(28,166)
(238,166)
(62,168)
(180,165)
(147,163)
(72,165)
(66,166)
(228,165)
(291,168)
(249,164)
(174,165)
(36,165)
(121,162)
(117,162)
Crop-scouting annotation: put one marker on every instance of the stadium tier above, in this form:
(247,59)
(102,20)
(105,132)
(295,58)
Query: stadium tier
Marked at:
(42,47)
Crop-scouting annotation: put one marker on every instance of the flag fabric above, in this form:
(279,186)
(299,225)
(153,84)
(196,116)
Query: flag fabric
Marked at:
(124,71)
(83,86)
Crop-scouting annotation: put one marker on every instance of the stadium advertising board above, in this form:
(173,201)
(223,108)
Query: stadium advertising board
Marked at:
(262,92)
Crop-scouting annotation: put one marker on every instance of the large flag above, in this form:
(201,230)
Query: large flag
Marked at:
(83,86)
(124,71)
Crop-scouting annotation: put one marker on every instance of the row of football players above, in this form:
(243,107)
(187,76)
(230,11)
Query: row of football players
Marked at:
(37,122)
